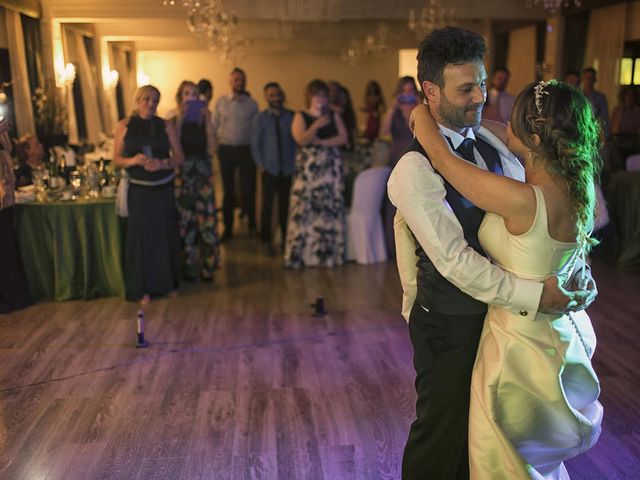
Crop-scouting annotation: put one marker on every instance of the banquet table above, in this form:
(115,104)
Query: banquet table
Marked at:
(623,196)
(71,249)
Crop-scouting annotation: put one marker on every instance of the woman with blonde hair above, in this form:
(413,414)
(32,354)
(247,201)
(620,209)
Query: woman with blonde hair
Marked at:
(149,149)
(195,194)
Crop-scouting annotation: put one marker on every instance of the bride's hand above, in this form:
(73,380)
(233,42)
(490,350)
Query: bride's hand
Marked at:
(417,115)
(422,120)
(426,130)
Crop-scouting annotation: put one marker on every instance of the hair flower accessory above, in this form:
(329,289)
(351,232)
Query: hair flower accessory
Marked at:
(539,91)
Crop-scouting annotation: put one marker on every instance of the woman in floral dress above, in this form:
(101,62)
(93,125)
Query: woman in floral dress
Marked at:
(316,231)
(195,197)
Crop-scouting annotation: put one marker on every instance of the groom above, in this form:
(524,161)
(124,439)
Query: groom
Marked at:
(448,282)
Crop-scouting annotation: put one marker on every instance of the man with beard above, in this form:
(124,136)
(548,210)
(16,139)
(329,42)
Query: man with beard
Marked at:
(447,280)
(232,118)
(274,150)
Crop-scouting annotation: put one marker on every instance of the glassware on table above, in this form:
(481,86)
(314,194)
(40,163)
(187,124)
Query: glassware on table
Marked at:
(92,180)
(75,179)
(40,177)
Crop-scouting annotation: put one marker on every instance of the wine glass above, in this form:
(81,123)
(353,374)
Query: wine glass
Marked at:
(37,175)
(75,179)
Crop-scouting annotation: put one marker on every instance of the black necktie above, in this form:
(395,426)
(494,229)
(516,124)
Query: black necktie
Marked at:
(465,149)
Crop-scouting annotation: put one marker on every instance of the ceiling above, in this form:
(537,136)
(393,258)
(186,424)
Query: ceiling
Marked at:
(273,24)
(298,10)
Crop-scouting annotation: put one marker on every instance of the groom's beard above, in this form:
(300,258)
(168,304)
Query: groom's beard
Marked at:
(459,117)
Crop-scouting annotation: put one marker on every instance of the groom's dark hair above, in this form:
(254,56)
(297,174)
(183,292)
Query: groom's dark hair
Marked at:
(448,45)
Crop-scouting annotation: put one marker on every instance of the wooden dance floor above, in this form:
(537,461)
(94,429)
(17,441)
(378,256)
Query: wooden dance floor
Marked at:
(242,382)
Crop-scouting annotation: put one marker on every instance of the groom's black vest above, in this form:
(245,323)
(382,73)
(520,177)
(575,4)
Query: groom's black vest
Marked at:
(434,291)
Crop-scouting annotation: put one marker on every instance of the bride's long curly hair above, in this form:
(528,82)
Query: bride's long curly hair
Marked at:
(570,140)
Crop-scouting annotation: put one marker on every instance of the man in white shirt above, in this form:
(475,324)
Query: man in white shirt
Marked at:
(232,117)
(499,101)
(446,279)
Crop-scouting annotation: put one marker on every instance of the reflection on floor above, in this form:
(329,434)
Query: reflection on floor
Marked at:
(242,381)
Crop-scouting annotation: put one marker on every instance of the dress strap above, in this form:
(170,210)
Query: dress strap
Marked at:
(540,218)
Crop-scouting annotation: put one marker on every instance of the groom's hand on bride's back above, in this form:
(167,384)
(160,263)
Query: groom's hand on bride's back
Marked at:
(558,299)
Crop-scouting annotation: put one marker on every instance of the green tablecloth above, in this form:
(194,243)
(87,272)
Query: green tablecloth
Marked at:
(70,249)
(623,196)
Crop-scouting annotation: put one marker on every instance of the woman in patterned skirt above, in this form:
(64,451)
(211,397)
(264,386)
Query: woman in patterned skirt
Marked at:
(316,227)
(194,187)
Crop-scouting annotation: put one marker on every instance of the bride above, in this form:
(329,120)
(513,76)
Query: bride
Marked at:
(533,392)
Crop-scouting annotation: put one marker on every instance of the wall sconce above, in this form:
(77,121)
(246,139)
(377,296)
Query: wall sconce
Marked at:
(111,79)
(67,76)
(143,79)
(3,95)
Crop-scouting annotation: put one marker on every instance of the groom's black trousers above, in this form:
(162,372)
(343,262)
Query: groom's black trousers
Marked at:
(444,352)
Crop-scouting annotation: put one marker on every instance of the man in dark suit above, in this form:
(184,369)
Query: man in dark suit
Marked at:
(448,282)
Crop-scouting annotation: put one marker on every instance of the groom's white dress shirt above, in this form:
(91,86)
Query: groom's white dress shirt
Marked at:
(418,193)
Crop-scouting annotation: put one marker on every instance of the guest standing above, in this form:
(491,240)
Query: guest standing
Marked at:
(340,103)
(625,119)
(14,289)
(373,107)
(316,227)
(232,121)
(205,89)
(396,123)
(572,77)
(396,120)
(499,102)
(195,194)
(274,150)
(597,98)
(149,148)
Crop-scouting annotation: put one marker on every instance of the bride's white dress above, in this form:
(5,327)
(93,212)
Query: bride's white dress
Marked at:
(533,391)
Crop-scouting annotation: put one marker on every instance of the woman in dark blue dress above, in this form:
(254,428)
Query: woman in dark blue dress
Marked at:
(149,149)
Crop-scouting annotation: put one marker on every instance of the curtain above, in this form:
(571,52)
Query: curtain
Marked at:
(605,44)
(77,54)
(19,75)
(575,39)
(125,76)
(33,49)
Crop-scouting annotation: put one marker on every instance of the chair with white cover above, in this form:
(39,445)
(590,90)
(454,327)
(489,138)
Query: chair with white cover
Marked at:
(633,162)
(365,234)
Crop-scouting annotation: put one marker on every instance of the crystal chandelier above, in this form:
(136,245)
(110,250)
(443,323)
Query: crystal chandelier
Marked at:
(553,5)
(434,15)
(208,19)
(376,42)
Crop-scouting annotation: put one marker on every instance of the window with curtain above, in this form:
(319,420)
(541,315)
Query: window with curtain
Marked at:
(120,101)
(93,68)
(33,49)
(33,57)
(78,105)
(575,41)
